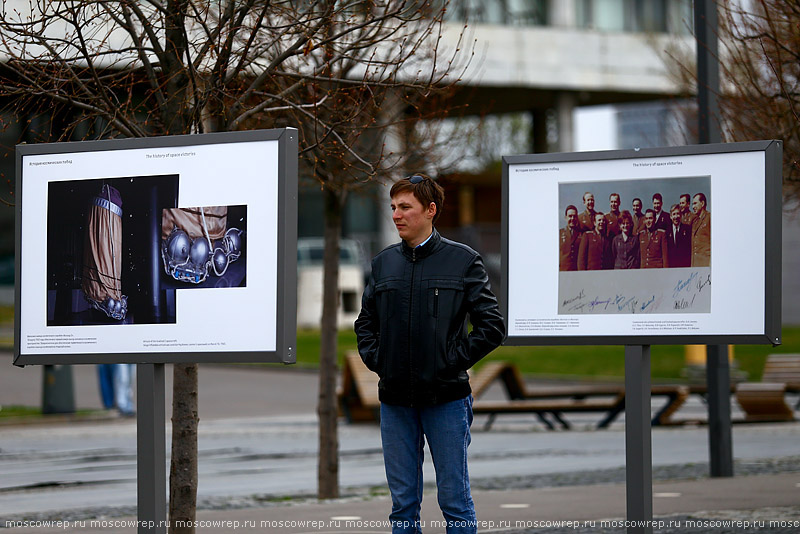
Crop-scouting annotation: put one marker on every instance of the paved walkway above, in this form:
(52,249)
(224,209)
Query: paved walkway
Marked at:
(258,443)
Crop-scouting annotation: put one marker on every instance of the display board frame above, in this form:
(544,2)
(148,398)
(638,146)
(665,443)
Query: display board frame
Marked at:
(530,262)
(257,169)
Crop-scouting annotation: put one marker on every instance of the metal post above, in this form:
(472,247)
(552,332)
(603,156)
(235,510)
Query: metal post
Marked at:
(638,439)
(58,392)
(151,449)
(720,442)
(718,373)
(705,29)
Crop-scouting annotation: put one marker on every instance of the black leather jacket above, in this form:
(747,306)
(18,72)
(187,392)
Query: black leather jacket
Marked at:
(412,327)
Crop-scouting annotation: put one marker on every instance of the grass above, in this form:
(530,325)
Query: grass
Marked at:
(7,315)
(19,411)
(13,411)
(590,362)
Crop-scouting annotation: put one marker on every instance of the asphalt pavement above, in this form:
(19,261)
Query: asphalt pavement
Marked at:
(257,463)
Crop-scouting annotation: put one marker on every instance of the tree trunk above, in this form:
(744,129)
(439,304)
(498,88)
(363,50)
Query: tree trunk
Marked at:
(328,467)
(183,465)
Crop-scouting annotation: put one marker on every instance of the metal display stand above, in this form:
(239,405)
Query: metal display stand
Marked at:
(638,438)
(168,157)
(151,458)
(720,439)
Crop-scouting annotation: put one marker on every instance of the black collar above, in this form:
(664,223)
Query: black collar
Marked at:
(424,250)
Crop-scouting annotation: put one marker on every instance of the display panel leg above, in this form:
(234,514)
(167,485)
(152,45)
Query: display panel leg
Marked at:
(638,440)
(720,441)
(151,458)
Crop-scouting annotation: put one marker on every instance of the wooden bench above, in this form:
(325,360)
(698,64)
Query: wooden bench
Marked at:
(555,401)
(554,407)
(358,394)
(506,373)
(785,369)
(766,400)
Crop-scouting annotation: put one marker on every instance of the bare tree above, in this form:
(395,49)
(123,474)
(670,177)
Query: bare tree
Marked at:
(344,72)
(759,59)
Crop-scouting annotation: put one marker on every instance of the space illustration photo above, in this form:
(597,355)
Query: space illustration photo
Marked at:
(118,249)
(203,247)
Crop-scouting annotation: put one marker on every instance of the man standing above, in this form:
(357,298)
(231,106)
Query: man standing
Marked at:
(586,217)
(701,232)
(686,212)
(569,240)
(661,218)
(594,252)
(637,216)
(411,331)
(679,240)
(612,225)
(652,244)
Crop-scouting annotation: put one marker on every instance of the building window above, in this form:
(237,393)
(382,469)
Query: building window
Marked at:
(662,16)
(507,12)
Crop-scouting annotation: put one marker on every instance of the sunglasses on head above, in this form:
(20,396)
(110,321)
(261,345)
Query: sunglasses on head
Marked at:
(416,179)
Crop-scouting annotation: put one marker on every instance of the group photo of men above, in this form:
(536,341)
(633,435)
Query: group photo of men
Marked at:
(641,224)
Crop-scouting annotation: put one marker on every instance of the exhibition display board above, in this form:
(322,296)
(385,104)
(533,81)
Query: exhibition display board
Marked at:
(572,276)
(157,250)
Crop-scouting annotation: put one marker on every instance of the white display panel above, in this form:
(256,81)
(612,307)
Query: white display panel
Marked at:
(230,315)
(726,296)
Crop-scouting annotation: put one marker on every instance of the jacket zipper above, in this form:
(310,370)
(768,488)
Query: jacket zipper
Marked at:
(410,316)
(436,302)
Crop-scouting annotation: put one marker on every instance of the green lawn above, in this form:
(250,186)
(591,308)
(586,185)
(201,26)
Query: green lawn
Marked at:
(35,412)
(592,362)
(19,411)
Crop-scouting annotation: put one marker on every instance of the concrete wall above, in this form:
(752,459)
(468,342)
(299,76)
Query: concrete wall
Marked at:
(568,58)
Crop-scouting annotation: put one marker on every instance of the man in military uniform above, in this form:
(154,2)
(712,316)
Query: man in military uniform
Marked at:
(701,232)
(679,240)
(652,244)
(661,218)
(594,252)
(637,216)
(586,217)
(686,212)
(612,217)
(569,240)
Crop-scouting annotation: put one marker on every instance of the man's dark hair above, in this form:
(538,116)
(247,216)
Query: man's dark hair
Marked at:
(424,189)
(635,199)
(674,207)
(570,207)
(615,195)
(659,197)
(702,197)
(648,210)
(686,196)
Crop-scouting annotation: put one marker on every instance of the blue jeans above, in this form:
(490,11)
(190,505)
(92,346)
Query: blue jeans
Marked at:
(124,376)
(105,376)
(446,428)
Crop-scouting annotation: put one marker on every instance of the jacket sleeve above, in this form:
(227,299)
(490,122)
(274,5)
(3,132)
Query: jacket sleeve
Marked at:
(582,251)
(488,327)
(367,328)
